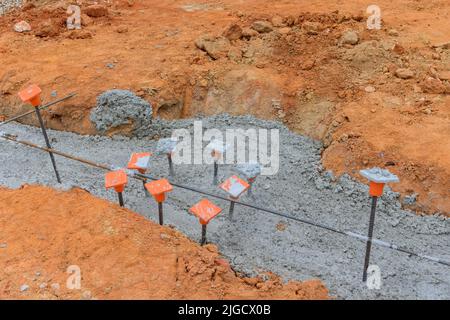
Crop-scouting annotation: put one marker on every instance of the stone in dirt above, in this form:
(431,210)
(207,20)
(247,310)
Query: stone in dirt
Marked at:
(433,85)
(262,26)
(350,37)
(312,28)
(96,11)
(249,33)
(404,73)
(277,21)
(444,75)
(233,32)
(215,47)
(47,29)
(22,26)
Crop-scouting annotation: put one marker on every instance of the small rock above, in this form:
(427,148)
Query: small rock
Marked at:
(393,33)
(312,28)
(24,287)
(233,32)
(249,33)
(22,26)
(86,295)
(122,29)
(235,54)
(285,30)
(398,49)
(350,37)
(369,89)
(433,85)
(96,11)
(404,73)
(55,286)
(79,34)
(308,64)
(3,245)
(215,47)
(42,286)
(47,29)
(444,75)
(110,65)
(277,21)
(262,26)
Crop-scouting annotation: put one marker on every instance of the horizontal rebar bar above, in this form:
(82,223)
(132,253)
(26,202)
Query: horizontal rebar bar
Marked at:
(45,106)
(143,177)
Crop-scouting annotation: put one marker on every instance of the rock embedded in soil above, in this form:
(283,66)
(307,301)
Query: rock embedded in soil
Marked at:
(433,85)
(22,26)
(215,47)
(404,73)
(262,26)
(249,33)
(277,21)
(233,32)
(96,11)
(312,28)
(350,37)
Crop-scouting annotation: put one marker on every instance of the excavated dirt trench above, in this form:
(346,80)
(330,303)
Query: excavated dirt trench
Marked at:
(301,72)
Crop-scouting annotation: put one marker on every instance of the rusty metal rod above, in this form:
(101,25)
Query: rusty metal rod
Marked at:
(45,106)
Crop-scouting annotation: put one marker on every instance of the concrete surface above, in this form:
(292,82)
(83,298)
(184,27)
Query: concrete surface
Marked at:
(255,241)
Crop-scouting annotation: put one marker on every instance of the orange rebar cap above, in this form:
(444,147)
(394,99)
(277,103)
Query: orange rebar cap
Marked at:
(116,179)
(32,94)
(158,189)
(235,186)
(205,210)
(376,189)
(139,161)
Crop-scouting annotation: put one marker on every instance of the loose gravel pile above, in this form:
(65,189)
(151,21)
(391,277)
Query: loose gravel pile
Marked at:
(255,241)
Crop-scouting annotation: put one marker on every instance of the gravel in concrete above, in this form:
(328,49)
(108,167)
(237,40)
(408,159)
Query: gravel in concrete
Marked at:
(254,242)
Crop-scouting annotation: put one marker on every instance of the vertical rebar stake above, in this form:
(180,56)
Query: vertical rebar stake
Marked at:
(145,189)
(120,198)
(203,241)
(250,183)
(369,237)
(171,172)
(231,209)
(216,170)
(160,210)
(47,142)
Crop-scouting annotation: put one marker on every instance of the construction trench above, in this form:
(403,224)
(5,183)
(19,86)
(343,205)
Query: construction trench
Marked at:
(343,97)
(255,241)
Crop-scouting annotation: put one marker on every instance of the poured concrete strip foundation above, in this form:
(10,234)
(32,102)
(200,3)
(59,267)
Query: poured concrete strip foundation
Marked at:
(254,242)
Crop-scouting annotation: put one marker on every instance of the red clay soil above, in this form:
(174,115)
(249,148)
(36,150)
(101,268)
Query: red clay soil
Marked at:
(121,255)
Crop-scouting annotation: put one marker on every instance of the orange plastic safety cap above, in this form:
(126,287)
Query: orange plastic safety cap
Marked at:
(32,94)
(205,210)
(158,189)
(116,179)
(376,189)
(235,186)
(139,161)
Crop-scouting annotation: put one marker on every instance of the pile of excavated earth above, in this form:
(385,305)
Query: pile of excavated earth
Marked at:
(342,98)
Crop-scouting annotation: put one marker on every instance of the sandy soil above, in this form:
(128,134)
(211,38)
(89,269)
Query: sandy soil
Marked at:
(320,86)
(121,255)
